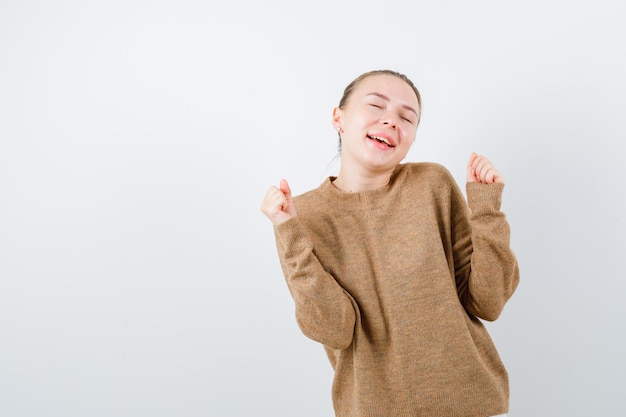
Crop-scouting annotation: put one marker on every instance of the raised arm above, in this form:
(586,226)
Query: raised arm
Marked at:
(325,312)
(487,272)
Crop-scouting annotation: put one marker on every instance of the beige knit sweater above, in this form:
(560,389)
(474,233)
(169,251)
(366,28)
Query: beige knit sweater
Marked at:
(393,282)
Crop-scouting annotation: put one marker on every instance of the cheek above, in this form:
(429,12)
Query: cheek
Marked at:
(409,135)
(367,117)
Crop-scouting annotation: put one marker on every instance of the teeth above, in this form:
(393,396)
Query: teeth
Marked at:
(378,138)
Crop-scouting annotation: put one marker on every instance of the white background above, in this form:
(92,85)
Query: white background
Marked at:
(137,139)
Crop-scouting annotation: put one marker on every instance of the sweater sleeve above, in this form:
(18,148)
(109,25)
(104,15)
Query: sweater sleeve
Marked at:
(325,312)
(486,269)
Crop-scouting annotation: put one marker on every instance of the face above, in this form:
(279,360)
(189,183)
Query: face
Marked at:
(378,123)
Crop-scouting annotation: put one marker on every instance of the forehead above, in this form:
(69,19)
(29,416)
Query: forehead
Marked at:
(389,85)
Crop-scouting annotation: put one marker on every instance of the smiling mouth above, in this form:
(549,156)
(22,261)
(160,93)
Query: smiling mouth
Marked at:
(382,140)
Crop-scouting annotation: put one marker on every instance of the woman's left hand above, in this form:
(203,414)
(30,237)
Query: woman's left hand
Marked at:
(480,169)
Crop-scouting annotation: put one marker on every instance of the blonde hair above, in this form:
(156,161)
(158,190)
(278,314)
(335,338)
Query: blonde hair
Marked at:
(350,88)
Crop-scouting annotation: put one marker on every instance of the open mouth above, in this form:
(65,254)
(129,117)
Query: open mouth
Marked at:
(381,140)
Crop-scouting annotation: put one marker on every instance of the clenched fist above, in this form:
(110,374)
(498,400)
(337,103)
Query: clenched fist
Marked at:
(480,169)
(278,205)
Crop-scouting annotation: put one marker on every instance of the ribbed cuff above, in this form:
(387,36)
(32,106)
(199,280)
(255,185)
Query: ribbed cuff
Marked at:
(484,196)
(292,235)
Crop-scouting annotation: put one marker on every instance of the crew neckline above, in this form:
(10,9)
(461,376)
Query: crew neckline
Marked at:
(362,196)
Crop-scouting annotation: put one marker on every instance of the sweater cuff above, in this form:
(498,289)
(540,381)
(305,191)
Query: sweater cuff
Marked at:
(292,235)
(484,196)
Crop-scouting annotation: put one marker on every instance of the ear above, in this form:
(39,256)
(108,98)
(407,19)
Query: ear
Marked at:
(337,118)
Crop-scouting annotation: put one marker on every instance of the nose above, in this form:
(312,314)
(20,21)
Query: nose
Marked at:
(389,120)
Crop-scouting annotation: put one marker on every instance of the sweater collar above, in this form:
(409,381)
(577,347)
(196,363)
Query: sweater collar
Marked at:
(372,196)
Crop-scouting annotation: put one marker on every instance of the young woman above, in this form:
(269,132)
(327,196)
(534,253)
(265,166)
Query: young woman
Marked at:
(392,270)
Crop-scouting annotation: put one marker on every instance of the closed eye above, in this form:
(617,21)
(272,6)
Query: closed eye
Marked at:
(406,118)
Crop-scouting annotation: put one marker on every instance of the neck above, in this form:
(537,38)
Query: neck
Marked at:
(355,182)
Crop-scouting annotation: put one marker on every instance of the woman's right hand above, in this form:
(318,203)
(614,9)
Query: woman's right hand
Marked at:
(278,204)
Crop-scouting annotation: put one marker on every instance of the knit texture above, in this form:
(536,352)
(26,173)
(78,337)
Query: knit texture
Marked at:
(393,282)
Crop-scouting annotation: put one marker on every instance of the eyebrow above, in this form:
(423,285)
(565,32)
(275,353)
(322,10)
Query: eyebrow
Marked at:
(384,97)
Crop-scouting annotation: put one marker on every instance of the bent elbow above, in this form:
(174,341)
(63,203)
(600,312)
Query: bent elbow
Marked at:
(340,342)
(491,314)
(488,311)
(335,334)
